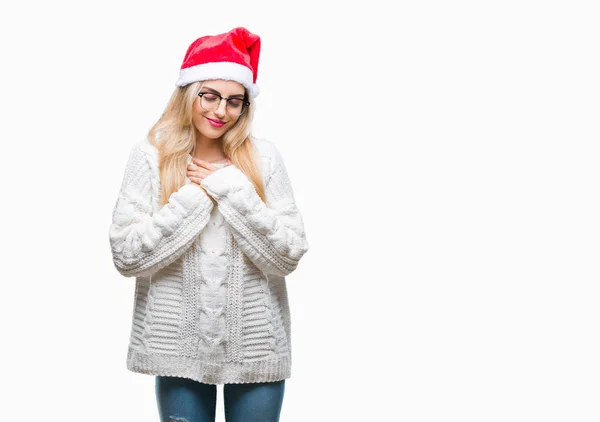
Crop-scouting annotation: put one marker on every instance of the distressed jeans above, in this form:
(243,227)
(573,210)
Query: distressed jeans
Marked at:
(186,400)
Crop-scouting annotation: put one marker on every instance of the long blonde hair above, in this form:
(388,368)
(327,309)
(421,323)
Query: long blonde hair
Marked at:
(174,136)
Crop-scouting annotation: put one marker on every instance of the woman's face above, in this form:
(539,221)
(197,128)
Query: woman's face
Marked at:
(212,121)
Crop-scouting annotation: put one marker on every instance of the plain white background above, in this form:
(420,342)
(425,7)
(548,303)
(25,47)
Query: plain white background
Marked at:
(444,156)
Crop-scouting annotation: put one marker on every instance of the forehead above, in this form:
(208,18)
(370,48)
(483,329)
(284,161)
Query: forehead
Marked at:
(224,87)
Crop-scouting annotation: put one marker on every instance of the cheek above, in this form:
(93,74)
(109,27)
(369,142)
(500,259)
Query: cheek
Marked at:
(197,116)
(196,119)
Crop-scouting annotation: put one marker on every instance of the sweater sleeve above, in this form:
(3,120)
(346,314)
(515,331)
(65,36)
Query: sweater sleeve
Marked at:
(271,235)
(142,240)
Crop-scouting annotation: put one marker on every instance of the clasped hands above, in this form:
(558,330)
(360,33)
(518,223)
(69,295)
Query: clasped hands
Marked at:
(198,170)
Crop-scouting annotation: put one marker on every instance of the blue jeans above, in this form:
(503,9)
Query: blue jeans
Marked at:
(186,400)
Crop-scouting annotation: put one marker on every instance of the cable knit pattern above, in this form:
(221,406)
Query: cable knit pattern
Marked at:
(143,238)
(210,299)
(272,235)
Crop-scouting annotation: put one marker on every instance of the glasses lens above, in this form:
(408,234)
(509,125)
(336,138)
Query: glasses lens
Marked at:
(209,101)
(235,106)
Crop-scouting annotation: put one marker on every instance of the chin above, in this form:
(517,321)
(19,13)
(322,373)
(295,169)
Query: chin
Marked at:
(210,132)
(214,133)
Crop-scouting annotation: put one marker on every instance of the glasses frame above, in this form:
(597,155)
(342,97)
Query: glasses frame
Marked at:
(245,102)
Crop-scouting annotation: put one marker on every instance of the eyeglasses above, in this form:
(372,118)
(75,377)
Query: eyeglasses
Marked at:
(210,102)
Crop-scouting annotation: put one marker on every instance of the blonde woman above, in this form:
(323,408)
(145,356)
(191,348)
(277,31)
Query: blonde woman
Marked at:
(206,222)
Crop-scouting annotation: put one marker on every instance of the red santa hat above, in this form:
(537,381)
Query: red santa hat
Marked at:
(232,56)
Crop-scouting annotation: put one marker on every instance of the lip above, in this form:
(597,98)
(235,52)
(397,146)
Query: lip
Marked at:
(216,123)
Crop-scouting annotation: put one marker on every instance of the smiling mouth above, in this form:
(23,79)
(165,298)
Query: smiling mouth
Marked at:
(215,123)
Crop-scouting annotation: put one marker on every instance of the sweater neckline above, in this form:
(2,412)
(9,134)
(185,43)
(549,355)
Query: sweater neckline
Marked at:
(216,164)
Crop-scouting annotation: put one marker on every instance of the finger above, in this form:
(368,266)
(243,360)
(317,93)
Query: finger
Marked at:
(194,174)
(199,172)
(204,164)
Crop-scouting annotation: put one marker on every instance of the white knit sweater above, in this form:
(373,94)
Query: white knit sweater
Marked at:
(210,299)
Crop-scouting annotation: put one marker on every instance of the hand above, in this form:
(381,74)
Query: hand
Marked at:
(198,170)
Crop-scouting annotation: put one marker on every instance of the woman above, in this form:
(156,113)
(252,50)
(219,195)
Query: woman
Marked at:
(207,223)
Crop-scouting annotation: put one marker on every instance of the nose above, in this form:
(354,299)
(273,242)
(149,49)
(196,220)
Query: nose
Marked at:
(221,109)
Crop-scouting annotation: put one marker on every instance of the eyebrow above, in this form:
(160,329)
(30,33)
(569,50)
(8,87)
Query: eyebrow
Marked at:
(217,92)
